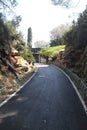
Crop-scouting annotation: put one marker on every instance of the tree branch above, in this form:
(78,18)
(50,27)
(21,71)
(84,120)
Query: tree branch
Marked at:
(6,4)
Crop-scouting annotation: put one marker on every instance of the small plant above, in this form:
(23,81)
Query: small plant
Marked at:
(27,55)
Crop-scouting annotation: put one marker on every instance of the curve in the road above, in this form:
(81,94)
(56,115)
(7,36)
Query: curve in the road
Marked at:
(47,102)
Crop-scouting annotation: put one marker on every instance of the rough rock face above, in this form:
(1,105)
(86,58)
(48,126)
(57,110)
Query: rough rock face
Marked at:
(75,60)
(10,71)
(17,65)
(18,62)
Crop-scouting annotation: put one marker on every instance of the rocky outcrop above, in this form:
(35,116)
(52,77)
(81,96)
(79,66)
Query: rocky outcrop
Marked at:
(16,65)
(11,73)
(75,60)
(20,65)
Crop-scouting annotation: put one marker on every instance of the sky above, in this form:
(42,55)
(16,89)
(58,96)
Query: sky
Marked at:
(42,16)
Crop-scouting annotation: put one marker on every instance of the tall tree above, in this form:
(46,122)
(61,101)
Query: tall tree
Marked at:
(29,38)
(4,40)
(57,34)
(82,29)
(77,35)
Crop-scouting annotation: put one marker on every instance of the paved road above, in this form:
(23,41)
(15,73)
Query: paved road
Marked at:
(47,102)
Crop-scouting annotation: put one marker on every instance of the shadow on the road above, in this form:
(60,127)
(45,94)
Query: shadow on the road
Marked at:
(15,112)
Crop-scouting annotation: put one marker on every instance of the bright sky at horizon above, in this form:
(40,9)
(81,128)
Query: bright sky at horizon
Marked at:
(42,16)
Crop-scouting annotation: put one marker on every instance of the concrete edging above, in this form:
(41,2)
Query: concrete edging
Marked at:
(5,101)
(81,99)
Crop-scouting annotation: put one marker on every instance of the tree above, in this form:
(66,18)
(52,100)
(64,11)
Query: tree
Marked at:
(5,32)
(82,29)
(66,3)
(53,43)
(29,38)
(8,4)
(13,26)
(41,44)
(16,38)
(8,37)
(5,48)
(77,35)
(16,21)
(68,37)
(57,34)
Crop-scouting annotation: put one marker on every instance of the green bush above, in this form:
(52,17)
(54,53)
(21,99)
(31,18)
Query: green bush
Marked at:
(52,51)
(27,55)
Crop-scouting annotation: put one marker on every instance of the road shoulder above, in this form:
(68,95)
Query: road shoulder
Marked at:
(77,92)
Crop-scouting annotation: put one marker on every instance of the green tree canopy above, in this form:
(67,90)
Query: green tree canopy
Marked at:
(4,40)
(77,35)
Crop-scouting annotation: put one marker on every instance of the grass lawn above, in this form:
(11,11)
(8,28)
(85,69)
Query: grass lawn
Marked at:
(52,51)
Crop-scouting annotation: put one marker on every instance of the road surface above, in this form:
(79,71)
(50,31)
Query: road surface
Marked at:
(47,102)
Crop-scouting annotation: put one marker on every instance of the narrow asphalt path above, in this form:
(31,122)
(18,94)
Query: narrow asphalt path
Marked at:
(47,102)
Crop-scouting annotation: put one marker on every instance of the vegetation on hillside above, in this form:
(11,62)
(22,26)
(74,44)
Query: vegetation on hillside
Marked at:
(75,39)
(14,56)
(76,45)
(52,52)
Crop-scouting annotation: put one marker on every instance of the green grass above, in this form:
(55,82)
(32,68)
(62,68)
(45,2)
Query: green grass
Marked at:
(52,51)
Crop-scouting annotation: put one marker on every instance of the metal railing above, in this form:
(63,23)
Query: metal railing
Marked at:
(79,83)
